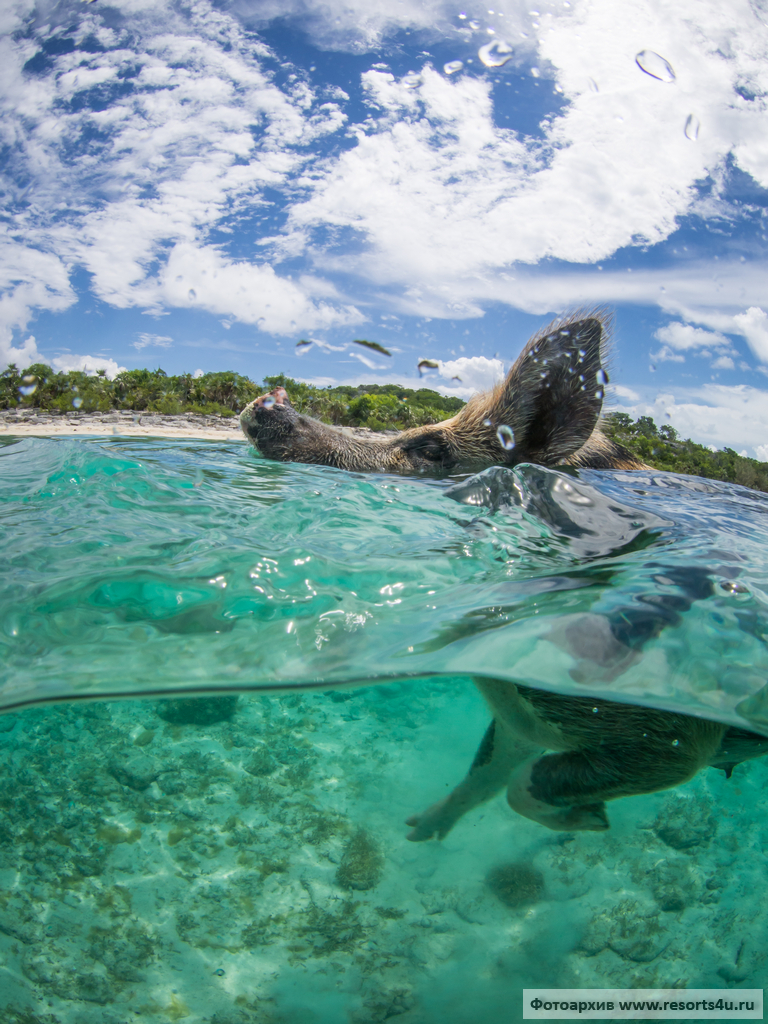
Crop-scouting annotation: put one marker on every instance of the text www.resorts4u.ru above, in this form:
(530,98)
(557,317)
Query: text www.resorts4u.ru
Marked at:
(642,1004)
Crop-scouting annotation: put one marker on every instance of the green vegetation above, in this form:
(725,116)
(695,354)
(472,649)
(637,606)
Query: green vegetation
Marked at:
(376,406)
(380,407)
(662,448)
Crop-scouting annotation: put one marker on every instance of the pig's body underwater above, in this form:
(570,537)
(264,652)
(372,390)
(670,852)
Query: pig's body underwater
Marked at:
(559,757)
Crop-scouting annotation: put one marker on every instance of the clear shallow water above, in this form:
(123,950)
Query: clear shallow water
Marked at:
(137,567)
(252,867)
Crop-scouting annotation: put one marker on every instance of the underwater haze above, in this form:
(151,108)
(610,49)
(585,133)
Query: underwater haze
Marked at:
(241,857)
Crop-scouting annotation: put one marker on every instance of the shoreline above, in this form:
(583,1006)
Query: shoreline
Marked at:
(117,423)
(128,423)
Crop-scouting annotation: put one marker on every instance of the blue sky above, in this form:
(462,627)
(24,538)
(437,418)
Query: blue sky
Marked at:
(200,186)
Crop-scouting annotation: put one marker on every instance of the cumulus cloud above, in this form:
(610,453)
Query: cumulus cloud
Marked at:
(715,414)
(140,154)
(723,363)
(666,355)
(754,326)
(476,373)
(141,143)
(684,337)
(442,195)
(87,364)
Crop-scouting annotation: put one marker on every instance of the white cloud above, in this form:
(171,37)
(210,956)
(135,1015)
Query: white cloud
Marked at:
(445,206)
(723,363)
(715,414)
(684,337)
(87,364)
(22,355)
(754,326)
(152,340)
(761,452)
(621,391)
(477,373)
(442,196)
(666,355)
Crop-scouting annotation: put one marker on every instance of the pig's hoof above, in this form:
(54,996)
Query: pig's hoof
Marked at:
(433,822)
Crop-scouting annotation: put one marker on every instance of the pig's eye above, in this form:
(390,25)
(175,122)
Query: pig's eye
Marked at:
(432,450)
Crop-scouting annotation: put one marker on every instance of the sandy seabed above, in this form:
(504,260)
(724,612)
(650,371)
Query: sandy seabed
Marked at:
(255,871)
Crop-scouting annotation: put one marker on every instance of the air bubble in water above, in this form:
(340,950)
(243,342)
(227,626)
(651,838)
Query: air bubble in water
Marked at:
(411,80)
(495,54)
(268,401)
(506,437)
(732,587)
(692,125)
(77,402)
(453,66)
(654,65)
(602,376)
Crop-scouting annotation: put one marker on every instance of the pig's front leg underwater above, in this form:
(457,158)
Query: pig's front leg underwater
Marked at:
(497,756)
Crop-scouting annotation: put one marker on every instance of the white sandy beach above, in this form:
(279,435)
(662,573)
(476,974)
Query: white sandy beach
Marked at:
(40,423)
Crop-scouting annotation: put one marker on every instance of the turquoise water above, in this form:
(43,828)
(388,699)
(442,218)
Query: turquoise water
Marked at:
(242,858)
(137,567)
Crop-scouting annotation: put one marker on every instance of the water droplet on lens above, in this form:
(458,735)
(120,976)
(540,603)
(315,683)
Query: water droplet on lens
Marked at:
(675,743)
(692,125)
(595,711)
(487,423)
(593,85)
(268,401)
(582,377)
(565,334)
(192,293)
(219,972)
(411,80)
(453,66)
(602,376)
(77,402)
(28,385)
(506,437)
(495,54)
(654,65)
(599,394)
(535,73)
(474,25)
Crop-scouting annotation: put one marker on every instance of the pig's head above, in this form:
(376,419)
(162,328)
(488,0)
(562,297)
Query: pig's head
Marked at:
(546,411)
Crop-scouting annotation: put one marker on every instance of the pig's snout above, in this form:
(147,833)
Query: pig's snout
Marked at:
(277,396)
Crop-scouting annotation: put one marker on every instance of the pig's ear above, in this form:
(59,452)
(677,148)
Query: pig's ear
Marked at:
(554,393)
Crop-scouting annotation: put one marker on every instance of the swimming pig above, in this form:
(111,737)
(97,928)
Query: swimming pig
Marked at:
(559,757)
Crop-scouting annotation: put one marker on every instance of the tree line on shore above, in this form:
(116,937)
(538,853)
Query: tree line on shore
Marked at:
(377,406)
